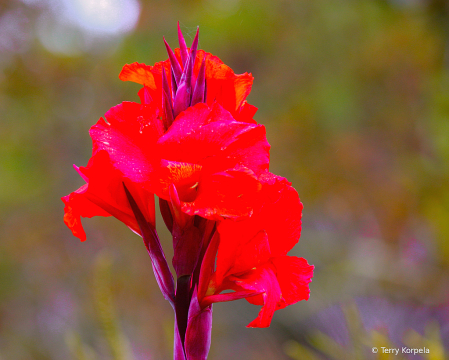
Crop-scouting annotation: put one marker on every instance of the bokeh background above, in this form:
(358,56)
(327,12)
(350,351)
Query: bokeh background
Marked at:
(355,98)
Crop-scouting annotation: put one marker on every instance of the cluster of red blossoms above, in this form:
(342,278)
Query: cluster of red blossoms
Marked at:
(193,143)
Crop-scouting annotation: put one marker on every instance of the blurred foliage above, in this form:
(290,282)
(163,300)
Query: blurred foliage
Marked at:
(362,343)
(118,345)
(355,98)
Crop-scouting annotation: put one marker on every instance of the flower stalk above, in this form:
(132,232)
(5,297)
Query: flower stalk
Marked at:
(193,143)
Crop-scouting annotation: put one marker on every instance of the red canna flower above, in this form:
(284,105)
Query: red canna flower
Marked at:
(193,143)
(252,255)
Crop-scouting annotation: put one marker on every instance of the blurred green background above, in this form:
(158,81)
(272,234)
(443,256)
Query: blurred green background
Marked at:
(355,98)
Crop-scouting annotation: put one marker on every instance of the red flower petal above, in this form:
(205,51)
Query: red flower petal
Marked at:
(281,215)
(286,281)
(183,176)
(148,76)
(232,194)
(246,113)
(262,280)
(237,254)
(224,86)
(204,135)
(104,195)
(272,230)
(294,275)
(139,73)
(129,136)
(77,205)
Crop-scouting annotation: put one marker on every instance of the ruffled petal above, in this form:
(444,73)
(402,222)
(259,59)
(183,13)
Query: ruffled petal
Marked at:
(138,73)
(224,86)
(246,113)
(294,275)
(272,230)
(262,280)
(103,195)
(77,205)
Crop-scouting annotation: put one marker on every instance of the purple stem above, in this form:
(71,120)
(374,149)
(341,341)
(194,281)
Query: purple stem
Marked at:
(161,270)
(178,348)
(182,304)
(166,214)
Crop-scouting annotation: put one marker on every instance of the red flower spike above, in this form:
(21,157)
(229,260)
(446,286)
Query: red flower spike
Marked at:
(176,68)
(200,86)
(162,272)
(193,142)
(182,46)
